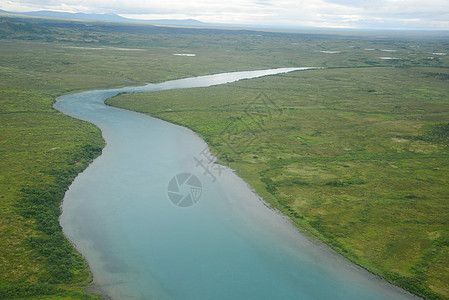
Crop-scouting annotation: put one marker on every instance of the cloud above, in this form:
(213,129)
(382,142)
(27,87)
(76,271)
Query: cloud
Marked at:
(413,14)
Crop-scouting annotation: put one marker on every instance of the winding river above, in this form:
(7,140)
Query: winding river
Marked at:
(229,245)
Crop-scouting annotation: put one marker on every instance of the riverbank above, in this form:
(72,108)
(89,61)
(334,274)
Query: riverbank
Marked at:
(133,246)
(329,195)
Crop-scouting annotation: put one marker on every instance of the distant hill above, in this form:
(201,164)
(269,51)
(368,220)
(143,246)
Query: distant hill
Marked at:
(80,16)
(107,17)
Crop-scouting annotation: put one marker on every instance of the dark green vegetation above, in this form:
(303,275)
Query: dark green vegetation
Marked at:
(368,174)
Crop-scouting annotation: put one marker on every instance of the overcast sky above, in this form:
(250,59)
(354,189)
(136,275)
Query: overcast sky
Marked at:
(398,14)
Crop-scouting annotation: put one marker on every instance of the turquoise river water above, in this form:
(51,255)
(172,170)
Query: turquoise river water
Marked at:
(229,245)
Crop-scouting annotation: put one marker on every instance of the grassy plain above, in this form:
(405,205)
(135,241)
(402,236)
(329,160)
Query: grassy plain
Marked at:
(336,173)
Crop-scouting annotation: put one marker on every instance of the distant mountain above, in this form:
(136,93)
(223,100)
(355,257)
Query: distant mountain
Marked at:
(79,16)
(107,18)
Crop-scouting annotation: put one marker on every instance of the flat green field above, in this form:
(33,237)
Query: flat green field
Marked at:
(356,154)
